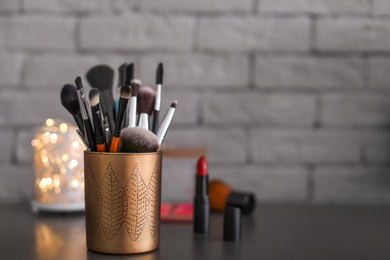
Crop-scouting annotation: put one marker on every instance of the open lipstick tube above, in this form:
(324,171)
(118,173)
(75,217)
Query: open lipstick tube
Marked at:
(122,201)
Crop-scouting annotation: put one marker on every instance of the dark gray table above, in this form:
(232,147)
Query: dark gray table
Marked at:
(273,232)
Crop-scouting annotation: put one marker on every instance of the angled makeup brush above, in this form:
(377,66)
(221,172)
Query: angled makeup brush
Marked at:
(162,132)
(135,86)
(137,140)
(122,75)
(88,131)
(102,77)
(70,101)
(125,94)
(129,76)
(96,116)
(146,98)
(159,82)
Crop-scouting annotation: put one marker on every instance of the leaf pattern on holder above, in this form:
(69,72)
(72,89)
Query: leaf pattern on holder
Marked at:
(154,192)
(136,209)
(93,202)
(112,196)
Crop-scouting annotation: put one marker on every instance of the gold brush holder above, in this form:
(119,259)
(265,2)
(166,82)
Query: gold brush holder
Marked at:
(122,201)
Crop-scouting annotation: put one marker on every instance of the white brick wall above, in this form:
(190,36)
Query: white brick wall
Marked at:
(254,34)
(352,34)
(315,6)
(204,6)
(290,97)
(309,72)
(136,32)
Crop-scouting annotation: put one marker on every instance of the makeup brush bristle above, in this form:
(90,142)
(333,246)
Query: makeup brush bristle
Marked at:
(69,99)
(137,140)
(146,99)
(79,83)
(101,77)
(159,74)
(135,86)
(122,75)
(125,92)
(129,73)
(94,96)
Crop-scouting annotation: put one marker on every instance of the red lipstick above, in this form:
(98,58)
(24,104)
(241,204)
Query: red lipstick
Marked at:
(201,199)
(202,166)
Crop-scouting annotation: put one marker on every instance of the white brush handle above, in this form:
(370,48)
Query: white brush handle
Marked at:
(165,125)
(133,112)
(143,121)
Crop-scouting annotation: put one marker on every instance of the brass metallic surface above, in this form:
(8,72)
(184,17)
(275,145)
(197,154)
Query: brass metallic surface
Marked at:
(122,201)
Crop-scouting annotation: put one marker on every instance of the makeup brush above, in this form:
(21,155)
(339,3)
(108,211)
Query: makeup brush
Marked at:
(70,101)
(83,139)
(137,140)
(159,82)
(122,75)
(125,94)
(107,131)
(166,122)
(146,98)
(88,132)
(221,195)
(102,77)
(135,86)
(96,116)
(129,76)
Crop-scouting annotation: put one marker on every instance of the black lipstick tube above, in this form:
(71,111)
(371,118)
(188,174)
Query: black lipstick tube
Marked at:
(201,205)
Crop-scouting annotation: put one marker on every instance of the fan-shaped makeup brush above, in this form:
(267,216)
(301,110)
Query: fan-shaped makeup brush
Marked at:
(102,77)
(146,99)
(70,101)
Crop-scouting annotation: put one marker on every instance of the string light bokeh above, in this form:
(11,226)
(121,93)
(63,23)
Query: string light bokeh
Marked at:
(59,167)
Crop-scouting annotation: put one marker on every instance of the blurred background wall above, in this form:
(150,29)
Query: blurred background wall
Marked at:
(290,97)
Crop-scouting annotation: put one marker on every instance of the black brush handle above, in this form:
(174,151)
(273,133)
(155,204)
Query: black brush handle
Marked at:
(79,121)
(90,135)
(156,115)
(107,103)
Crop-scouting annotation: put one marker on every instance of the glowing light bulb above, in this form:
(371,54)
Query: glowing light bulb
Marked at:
(73,164)
(49,122)
(75,183)
(75,144)
(63,128)
(65,157)
(53,138)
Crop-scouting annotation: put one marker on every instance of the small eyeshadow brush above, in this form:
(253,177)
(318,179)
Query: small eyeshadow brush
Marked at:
(123,100)
(146,99)
(135,86)
(96,116)
(166,122)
